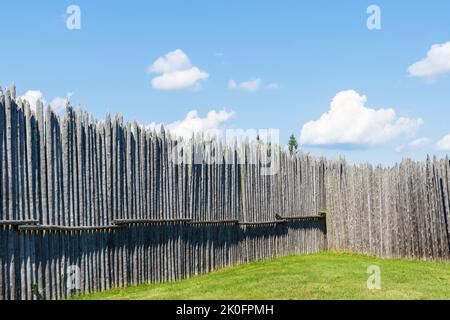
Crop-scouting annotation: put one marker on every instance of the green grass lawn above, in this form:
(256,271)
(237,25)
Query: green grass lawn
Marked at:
(318,276)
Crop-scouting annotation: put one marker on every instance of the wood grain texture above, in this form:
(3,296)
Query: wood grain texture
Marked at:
(122,204)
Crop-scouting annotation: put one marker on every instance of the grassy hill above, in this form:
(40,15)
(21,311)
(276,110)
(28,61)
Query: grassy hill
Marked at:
(318,276)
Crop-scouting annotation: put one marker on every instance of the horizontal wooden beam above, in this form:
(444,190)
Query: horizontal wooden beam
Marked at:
(65,228)
(300,218)
(149,221)
(17,222)
(32,225)
(261,224)
(212,222)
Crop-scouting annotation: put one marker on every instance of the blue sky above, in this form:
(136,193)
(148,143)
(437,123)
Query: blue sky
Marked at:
(311,51)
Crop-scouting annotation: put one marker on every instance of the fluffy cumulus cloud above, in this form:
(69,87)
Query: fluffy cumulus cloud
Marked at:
(419,143)
(415,144)
(32,96)
(251,85)
(444,143)
(437,62)
(273,86)
(176,72)
(350,122)
(58,104)
(193,123)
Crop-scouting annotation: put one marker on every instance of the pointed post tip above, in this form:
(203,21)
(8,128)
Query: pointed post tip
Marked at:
(13,90)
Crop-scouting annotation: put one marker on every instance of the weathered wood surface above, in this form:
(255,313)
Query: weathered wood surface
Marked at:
(212,222)
(17,222)
(300,218)
(149,221)
(127,205)
(265,223)
(115,201)
(393,212)
(22,227)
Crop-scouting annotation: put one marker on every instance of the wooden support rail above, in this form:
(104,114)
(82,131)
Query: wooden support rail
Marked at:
(33,225)
(261,224)
(4,223)
(149,221)
(65,228)
(301,218)
(212,222)
(323,213)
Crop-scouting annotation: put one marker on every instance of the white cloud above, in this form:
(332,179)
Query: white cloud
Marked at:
(350,122)
(400,148)
(273,86)
(444,143)
(437,62)
(419,143)
(251,85)
(193,123)
(58,104)
(232,84)
(176,72)
(415,144)
(32,96)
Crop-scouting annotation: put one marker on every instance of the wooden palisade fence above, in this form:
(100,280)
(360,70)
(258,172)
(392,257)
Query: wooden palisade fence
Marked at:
(88,205)
(398,212)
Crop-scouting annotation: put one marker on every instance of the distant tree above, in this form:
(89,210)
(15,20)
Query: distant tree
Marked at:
(293,145)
